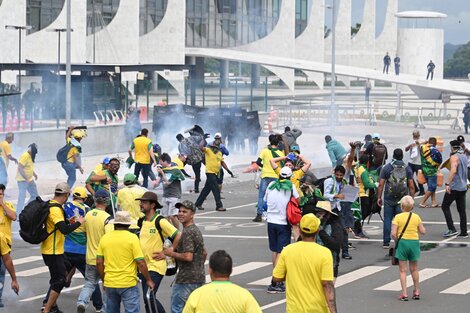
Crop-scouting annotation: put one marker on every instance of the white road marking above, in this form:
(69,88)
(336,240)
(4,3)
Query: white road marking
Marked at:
(462,288)
(33,271)
(267,306)
(26,260)
(43,295)
(235,236)
(247,267)
(228,209)
(424,274)
(358,274)
(224,217)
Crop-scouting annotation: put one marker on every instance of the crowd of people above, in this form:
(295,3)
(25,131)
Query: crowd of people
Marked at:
(120,234)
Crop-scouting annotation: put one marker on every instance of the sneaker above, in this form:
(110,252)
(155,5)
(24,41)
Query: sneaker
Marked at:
(55,309)
(462,235)
(351,247)
(386,246)
(221,209)
(346,256)
(257,219)
(450,233)
(81,308)
(276,289)
(199,207)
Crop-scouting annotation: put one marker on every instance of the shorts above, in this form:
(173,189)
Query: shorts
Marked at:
(408,250)
(278,236)
(432,183)
(169,208)
(57,270)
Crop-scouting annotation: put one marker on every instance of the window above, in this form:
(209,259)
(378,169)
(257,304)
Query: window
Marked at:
(41,13)
(151,14)
(100,13)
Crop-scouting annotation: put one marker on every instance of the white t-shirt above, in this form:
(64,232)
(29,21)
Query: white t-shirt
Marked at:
(277,201)
(413,153)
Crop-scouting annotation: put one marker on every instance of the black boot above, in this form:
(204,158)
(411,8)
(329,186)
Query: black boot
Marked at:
(257,219)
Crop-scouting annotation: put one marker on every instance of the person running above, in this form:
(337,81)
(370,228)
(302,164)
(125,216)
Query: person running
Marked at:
(221,295)
(336,151)
(143,154)
(190,256)
(26,176)
(414,147)
(117,259)
(8,213)
(431,159)
(126,198)
(73,137)
(52,248)
(408,248)
(456,190)
(307,269)
(96,225)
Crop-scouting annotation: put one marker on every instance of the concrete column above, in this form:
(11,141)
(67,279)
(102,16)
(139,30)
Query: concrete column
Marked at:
(255,75)
(199,72)
(154,77)
(224,70)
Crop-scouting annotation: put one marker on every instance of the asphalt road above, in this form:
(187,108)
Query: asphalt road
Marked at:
(367,283)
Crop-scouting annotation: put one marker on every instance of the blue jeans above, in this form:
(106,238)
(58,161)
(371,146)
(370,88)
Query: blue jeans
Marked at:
(145,169)
(22,188)
(3,173)
(2,278)
(180,295)
(70,170)
(157,279)
(128,296)
(391,208)
(263,185)
(92,277)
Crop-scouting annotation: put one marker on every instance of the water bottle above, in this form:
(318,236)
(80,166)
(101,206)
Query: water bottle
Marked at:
(170,262)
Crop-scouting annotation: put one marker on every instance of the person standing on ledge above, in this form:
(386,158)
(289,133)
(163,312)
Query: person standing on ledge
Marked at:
(431,66)
(387,62)
(396,62)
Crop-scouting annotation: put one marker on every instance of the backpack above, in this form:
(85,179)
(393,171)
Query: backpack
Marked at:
(397,182)
(61,155)
(378,154)
(140,222)
(33,220)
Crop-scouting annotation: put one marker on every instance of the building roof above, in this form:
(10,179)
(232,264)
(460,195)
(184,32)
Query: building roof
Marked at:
(420,14)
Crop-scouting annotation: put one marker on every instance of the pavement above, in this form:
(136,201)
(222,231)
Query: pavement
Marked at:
(367,283)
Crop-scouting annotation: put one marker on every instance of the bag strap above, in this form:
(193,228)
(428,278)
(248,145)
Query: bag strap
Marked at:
(403,231)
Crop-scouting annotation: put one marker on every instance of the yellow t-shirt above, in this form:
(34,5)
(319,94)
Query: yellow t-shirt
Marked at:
(267,170)
(221,297)
(126,200)
(73,151)
(213,161)
(178,162)
(305,265)
(4,247)
(54,244)
(141,146)
(27,162)
(411,232)
(99,170)
(120,250)
(295,178)
(151,242)
(5,222)
(6,151)
(96,226)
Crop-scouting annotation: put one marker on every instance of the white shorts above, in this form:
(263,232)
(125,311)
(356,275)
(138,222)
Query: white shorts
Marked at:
(169,208)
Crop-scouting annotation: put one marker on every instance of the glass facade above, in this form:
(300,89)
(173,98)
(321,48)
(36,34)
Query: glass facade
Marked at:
(41,13)
(301,16)
(151,13)
(100,13)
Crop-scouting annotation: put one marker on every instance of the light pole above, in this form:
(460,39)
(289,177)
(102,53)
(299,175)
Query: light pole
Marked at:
(333,107)
(19,29)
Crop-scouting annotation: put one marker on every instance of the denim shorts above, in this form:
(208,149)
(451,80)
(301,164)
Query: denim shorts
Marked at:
(432,183)
(278,236)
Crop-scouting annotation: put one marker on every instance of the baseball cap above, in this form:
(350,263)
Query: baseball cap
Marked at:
(286,172)
(309,223)
(187,204)
(101,193)
(80,192)
(62,188)
(106,160)
(129,178)
(122,218)
(152,197)
(217,136)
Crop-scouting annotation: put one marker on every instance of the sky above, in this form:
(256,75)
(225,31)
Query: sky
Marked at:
(456,25)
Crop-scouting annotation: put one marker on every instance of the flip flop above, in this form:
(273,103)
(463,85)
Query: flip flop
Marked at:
(435,205)
(423,206)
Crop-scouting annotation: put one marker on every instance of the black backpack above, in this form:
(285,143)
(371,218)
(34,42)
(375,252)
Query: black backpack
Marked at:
(397,182)
(33,220)
(379,152)
(61,155)
(140,221)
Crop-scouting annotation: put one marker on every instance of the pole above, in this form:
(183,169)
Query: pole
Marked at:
(19,64)
(167,92)
(333,70)
(236,92)
(220,91)
(82,109)
(147,85)
(266,94)
(251,97)
(58,82)
(68,66)
(94,29)
(204,92)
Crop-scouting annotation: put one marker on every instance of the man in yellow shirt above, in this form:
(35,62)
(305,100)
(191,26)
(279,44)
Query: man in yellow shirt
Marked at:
(25,176)
(6,157)
(97,224)
(221,295)
(98,174)
(7,262)
(7,215)
(151,241)
(52,248)
(143,153)
(307,269)
(214,161)
(267,173)
(73,137)
(117,259)
(126,198)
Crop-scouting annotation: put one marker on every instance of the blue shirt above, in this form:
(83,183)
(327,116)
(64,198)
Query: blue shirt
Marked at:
(75,242)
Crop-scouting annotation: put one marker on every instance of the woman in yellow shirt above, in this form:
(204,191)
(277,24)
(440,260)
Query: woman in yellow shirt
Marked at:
(408,248)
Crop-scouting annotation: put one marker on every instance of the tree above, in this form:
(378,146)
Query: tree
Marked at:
(459,65)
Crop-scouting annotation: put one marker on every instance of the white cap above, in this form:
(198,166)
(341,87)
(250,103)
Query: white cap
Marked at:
(286,172)
(217,136)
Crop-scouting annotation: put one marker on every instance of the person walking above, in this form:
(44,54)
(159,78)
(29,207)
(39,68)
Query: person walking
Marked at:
(221,295)
(7,263)
(6,154)
(307,269)
(414,147)
(406,228)
(387,61)
(366,185)
(456,190)
(396,181)
(431,159)
(143,154)
(430,67)
(336,151)
(190,256)
(8,214)
(466,115)
(26,176)
(117,259)
(396,62)
(73,162)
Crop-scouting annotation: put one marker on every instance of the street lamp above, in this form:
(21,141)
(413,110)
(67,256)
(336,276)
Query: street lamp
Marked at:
(333,108)
(19,29)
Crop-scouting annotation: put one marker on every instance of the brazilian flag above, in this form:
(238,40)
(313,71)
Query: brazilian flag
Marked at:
(173,173)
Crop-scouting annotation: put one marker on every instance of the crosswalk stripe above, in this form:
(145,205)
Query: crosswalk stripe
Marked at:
(424,274)
(43,295)
(27,260)
(261,282)
(358,274)
(33,271)
(462,288)
(247,267)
